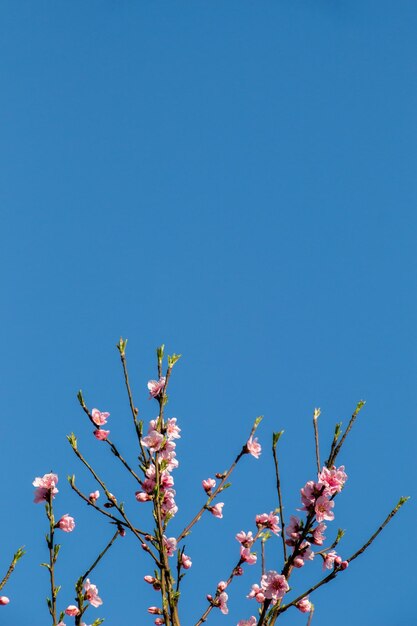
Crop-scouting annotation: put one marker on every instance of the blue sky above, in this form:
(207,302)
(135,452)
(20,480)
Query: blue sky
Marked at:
(237,180)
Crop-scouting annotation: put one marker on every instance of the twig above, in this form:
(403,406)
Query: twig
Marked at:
(337,448)
(275,439)
(316,437)
(18,555)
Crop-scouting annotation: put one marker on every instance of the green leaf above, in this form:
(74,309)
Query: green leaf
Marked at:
(359,406)
(173,359)
(276,437)
(73,440)
(121,346)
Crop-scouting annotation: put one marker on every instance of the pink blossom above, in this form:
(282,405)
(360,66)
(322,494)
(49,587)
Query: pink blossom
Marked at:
(141,496)
(216,510)
(254,447)
(186,561)
(293,530)
(221,586)
(223,598)
(153,440)
(45,486)
(94,495)
(304,605)
(172,430)
(170,545)
(306,554)
(274,585)
(323,508)
(66,523)
(247,556)
(252,621)
(309,494)
(257,593)
(159,621)
(333,478)
(98,417)
(246,539)
(91,594)
(4,600)
(329,559)
(154,610)
(208,484)
(101,434)
(155,387)
(168,505)
(318,537)
(268,521)
(72,610)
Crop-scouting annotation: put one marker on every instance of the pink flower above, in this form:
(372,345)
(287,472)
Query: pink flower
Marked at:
(101,434)
(304,605)
(306,554)
(141,496)
(170,545)
(153,440)
(257,593)
(66,523)
(4,600)
(72,610)
(247,556)
(91,594)
(223,598)
(323,508)
(333,478)
(293,530)
(318,537)
(154,610)
(186,561)
(329,559)
(172,430)
(309,494)
(98,417)
(155,387)
(216,510)
(221,586)
(268,521)
(253,447)
(274,585)
(94,495)
(252,621)
(45,486)
(246,539)
(208,484)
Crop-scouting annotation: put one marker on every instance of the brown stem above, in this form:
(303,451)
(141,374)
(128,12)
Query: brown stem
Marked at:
(274,453)
(52,556)
(332,458)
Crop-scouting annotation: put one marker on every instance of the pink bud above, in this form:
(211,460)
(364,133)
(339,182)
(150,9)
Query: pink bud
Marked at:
(101,434)
(154,610)
(222,585)
(4,600)
(344,564)
(72,610)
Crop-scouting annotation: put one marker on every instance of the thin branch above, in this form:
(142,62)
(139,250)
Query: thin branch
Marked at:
(337,448)
(316,437)
(100,556)
(18,555)
(275,439)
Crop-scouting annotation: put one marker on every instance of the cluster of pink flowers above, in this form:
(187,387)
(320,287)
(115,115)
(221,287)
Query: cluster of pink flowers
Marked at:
(246,541)
(162,444)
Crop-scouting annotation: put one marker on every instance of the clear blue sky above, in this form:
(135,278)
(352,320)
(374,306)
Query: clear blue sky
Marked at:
(238,180)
